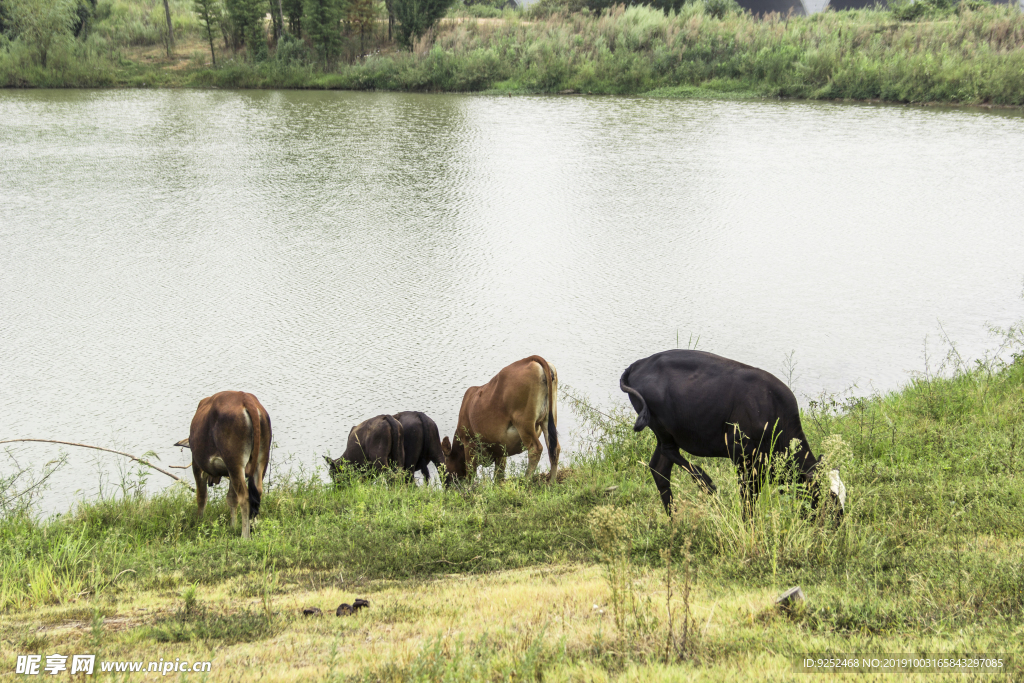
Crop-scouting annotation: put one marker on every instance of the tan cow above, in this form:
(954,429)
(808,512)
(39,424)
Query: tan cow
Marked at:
(226,429)
(504,417)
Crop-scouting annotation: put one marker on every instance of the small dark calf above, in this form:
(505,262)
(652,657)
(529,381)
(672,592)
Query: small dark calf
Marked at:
(372,445)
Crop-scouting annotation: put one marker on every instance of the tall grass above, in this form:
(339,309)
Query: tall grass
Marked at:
(127,24)
(973,56)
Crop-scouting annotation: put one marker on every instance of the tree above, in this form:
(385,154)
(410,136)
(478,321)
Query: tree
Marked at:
(170,28)
(361,17)
(323,26)
(83,12)
(43,24)
(293,10)
(6,25)
(277,17)
(416,17)
(247,22)
(210,16)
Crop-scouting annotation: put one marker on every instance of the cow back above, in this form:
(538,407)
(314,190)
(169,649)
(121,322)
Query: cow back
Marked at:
(376,442)
(695,397)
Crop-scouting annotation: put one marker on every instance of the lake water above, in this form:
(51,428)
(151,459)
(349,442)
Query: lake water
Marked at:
(341,255)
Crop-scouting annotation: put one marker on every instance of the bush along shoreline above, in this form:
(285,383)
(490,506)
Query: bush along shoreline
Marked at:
(928,52)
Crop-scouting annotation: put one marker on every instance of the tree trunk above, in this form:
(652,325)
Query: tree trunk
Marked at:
(170,29)
(280,13)
(209,34)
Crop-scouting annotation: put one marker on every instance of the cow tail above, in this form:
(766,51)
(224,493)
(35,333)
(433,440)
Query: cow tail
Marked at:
(433,441)
(644,417)
(255,498)
(396,458)
(552,404)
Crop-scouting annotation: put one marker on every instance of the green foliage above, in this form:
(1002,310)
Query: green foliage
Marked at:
(322,21)
(247,25)
(416,17)
(128,23)
(971,56)
(43,25)
(713,8)
(914,10)
(361,16)
(210,16)
(291,51)
(293,11)
(83,13)
(719,9)
(6,23)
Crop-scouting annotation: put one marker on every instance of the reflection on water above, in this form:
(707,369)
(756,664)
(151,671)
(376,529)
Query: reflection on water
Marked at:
(342,255)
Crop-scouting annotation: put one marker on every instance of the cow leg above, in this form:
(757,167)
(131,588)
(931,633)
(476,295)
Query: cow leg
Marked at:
(552,455)
(242,500)
(200,477)
(661,470)
(257,480)
(530,437)
(232,498)
(751,478)
(695,471)
(746,469)
(238,499)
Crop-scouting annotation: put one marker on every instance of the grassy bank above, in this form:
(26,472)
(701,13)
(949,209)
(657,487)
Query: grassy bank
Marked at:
(968,56)
(587,578)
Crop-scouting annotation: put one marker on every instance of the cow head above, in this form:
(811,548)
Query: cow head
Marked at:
(835,501)
(333,468)
(837,491)
(454,460)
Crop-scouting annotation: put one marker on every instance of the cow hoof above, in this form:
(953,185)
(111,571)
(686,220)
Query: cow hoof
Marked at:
(312,611)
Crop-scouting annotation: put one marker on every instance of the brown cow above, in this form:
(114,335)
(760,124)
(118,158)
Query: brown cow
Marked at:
(504,417)
(226,428)
(372,445)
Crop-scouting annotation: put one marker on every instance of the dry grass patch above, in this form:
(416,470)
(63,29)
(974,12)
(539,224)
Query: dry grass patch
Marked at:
(553,622)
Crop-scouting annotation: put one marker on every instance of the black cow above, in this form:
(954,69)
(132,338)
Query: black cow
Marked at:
(422,442)
(372,445)
(713,407)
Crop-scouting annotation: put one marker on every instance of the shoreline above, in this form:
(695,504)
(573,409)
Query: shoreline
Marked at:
(859,57)
(698,94)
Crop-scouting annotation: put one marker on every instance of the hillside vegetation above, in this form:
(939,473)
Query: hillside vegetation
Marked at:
(585,578)
(932,51)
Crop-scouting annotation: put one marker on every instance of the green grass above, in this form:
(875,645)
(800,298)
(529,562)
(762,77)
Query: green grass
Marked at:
(969,56)
(930,556)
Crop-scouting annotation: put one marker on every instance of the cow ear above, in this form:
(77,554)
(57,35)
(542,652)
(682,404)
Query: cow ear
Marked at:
(446,447)
(183,443)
